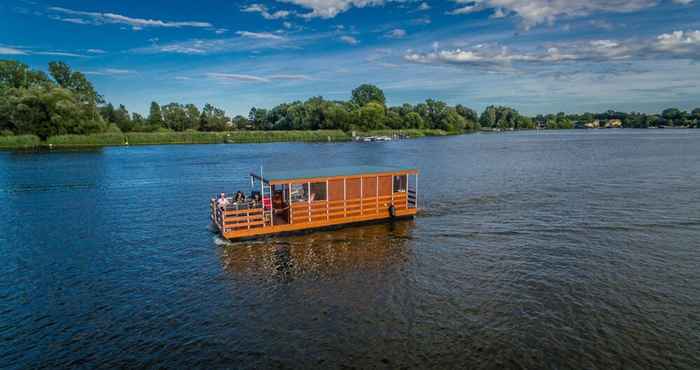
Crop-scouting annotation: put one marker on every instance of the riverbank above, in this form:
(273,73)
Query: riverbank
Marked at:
(199,137)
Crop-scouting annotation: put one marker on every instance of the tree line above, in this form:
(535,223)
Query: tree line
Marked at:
(65,102)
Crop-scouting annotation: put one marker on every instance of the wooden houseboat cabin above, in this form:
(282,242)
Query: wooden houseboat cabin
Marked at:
(290,201)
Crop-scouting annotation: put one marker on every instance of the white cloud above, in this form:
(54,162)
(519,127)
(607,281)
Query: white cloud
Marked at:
(244,41)
(229,77)
(5,50)
(58,53)
(260,35)
(349,40)
(331,8)
(98,18)
(675,45)
(262,9)
(109,72)
(290,77)
(424,6)
(467,9)
(96,51)
(11,51)
(533,12)
(396,33)
(679,42)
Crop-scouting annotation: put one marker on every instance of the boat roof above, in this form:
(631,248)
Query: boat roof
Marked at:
(312,173)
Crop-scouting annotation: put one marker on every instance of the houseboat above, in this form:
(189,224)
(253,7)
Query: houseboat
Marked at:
(290,201)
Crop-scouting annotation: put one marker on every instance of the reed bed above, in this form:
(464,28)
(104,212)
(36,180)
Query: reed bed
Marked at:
(19,141)
(107,139)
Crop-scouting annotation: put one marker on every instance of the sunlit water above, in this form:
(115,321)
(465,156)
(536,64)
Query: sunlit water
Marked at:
(577,249)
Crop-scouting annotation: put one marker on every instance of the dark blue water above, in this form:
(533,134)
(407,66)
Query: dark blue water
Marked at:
(572,249)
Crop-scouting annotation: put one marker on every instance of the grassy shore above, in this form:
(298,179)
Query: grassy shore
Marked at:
(198,137)
(19,141)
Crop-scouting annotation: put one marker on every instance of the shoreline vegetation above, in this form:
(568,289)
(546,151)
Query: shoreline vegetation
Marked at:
(199,137)
(62,109)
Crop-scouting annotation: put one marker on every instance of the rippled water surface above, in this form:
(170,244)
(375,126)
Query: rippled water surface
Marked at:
(556,250)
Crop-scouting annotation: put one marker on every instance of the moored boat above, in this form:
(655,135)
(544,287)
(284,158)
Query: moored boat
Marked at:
(288,201)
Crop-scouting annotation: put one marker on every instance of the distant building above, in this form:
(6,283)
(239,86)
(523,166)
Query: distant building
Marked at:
(594,124)
(614,123)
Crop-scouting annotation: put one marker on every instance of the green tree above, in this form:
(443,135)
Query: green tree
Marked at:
(155,116)
(192,116)
(122,119)
(366,93)
(451,121)
(488,117)
(413,120)
(213,119)
(371,116)
(76,82)
(258,118)
(14,74)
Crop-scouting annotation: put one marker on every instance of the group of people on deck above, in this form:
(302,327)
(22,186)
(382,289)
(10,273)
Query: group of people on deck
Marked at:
(240,200)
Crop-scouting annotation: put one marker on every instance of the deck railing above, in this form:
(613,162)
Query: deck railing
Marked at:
(412,198)
(229,220)
(305,212)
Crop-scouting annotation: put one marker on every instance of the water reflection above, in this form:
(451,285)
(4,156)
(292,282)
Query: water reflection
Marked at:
(320,254)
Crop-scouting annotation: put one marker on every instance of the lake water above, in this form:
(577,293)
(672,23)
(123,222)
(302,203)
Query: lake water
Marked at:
(568,249)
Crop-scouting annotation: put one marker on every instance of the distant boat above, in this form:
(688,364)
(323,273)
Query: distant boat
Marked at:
(374,138)
(307,199)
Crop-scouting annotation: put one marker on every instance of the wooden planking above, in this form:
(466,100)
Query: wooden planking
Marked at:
(369,187)
(385,185)
(336,190)
(311,225)
(353,188)
(242,212)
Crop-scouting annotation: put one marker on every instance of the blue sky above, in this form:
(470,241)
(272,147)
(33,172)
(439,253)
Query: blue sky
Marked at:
(538,56)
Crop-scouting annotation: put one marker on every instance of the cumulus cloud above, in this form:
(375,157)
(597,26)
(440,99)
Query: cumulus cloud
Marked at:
(349,40)
(678,44)
(98,18)
(533,12)
(262,9)
(423,6)
(331,8)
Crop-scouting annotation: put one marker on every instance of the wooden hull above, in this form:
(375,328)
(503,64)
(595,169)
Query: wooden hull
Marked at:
(285,230)
(290,228)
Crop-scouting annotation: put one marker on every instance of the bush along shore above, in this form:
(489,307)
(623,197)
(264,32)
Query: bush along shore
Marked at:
(199,137)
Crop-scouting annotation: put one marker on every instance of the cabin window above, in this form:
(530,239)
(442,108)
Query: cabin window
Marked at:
(318,191)
(300,193)
(400,183)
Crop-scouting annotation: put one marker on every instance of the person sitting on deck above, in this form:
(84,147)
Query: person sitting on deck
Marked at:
(222,202)
(239,197)
(255,198)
